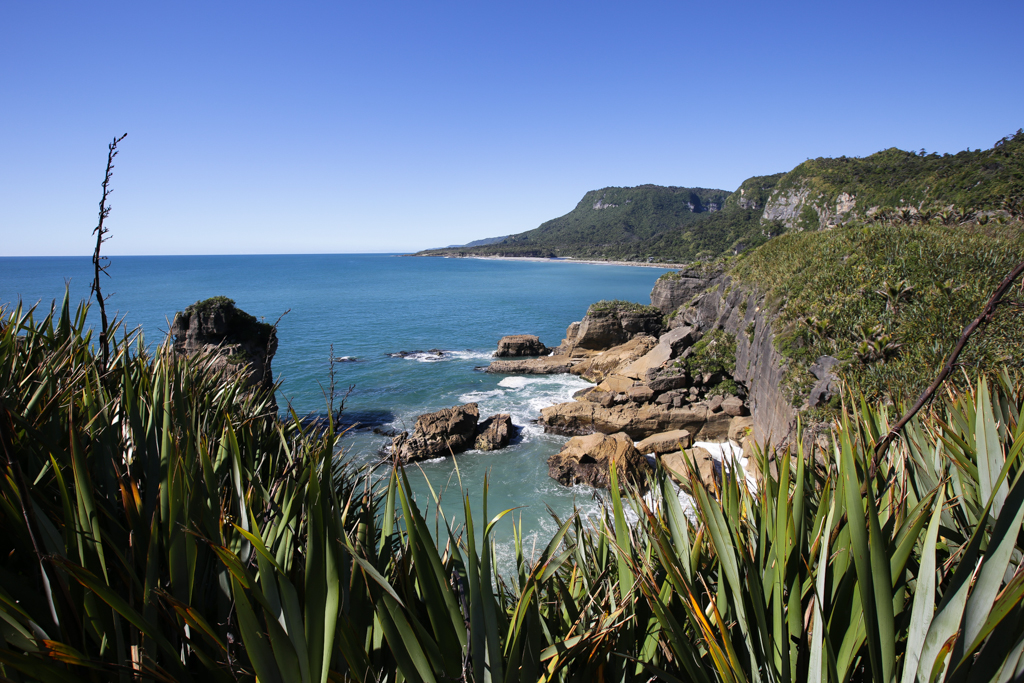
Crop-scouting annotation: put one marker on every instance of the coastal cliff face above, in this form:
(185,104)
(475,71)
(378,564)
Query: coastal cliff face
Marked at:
(716,302)
(236,341)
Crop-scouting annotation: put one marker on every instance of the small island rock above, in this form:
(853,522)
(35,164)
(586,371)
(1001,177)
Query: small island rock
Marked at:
(448,431)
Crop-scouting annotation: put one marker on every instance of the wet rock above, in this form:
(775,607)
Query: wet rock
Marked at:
(545,365)
(448,431)
(588,459)
(495,432)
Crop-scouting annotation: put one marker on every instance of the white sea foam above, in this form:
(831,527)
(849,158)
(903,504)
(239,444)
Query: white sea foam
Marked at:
(524,397)
(466,354)
(728,452)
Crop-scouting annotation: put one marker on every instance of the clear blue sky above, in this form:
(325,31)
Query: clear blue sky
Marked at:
(258,127)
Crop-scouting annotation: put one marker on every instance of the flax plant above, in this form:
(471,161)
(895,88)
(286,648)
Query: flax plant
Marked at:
(161,523)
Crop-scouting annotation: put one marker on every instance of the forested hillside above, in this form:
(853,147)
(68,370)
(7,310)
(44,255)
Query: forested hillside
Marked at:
(677,224)
(667,224)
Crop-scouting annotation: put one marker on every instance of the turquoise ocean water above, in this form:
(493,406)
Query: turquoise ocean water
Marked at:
(369,306)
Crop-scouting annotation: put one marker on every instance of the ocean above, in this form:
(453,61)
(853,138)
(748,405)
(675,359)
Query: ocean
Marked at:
(369,306)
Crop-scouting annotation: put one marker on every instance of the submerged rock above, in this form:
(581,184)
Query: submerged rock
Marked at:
(588,459)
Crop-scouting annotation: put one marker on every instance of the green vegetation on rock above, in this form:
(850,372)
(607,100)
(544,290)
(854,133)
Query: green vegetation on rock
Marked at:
(715,352)
(613,306)
(890,301)
(978,180)
(240,325)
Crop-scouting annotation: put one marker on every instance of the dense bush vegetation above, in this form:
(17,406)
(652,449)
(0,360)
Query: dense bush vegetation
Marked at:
(159,525)
(611,306)
(889,300)
(978,180)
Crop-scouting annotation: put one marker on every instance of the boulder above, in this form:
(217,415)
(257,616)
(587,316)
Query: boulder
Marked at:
(733,406)
(439,434)
(638,422)
(668,379)
(237,342)
(680,338)
(617,384)
(494,433)
(653,360)
(709,470)
(640,394)
(518,345)
(588,459)
(666,442)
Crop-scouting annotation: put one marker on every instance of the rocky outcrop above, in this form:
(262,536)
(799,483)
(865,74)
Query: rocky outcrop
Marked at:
(520,345)
(600,365)
(785,206)
(446,432)
(235,340)
(609,324)
(638,421)
(494,433)
(760,367)
(588,460)
(672,290)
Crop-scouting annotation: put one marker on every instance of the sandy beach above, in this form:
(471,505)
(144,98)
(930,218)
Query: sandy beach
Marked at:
(663,266)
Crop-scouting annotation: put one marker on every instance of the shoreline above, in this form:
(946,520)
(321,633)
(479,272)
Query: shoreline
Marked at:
(663,266)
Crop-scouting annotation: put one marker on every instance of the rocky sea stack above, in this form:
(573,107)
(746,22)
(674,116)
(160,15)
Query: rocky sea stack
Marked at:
(236,340)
